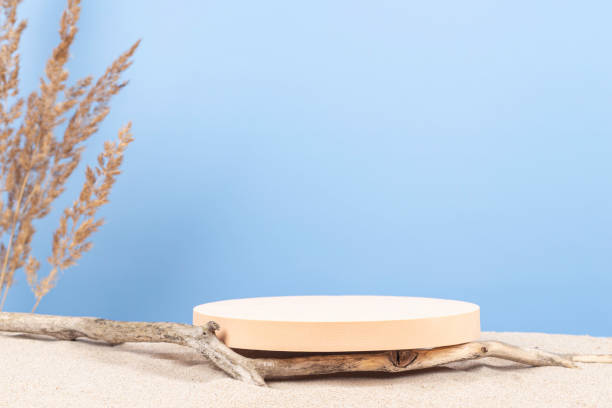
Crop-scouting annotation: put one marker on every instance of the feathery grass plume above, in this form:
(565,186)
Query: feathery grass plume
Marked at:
(70,243)
(35,163)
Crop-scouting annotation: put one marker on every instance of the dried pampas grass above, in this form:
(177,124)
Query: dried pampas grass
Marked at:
(35,163)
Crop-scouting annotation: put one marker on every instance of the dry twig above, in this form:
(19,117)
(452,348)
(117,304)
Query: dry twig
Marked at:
(256,370)
(201,339)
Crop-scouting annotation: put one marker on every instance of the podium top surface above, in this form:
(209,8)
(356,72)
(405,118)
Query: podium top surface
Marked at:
(335,308)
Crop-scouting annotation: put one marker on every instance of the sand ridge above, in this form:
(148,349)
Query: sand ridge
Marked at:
(42,372)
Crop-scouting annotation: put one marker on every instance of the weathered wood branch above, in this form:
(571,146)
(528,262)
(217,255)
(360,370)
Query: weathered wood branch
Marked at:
(407,360)
(201,339)
(255,370)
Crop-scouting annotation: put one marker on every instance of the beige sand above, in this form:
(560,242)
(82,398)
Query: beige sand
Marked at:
(50,373)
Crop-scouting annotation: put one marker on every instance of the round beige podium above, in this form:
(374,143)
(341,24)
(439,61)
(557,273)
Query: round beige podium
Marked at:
(341,323)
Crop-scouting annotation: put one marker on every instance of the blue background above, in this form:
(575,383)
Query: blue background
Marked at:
(441,148)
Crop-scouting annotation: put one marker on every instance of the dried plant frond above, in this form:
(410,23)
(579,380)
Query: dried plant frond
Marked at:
(10,111)
(35,163)
(78,222)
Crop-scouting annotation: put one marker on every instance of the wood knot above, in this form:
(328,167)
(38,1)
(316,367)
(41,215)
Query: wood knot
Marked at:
(67,334)
(213,326)
(484,349)
(403,358)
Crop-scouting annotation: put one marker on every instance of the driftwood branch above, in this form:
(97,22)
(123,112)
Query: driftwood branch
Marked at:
(255,370)
(201,339)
